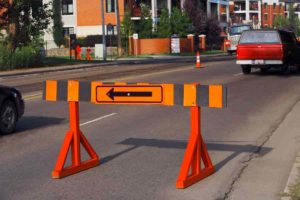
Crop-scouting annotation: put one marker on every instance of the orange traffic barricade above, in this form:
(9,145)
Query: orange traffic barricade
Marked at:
(194,96)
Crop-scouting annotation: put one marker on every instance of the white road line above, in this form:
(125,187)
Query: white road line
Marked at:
(100,118)
(239,74)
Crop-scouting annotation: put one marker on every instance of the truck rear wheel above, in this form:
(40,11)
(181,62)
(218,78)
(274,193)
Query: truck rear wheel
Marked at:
(246,69)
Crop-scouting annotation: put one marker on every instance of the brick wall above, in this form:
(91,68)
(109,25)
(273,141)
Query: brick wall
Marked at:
(89,13)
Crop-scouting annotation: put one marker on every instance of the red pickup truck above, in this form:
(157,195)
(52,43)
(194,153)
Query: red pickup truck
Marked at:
(268,48)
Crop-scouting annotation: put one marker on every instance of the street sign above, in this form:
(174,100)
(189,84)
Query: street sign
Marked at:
(135,36)
(110,27)
(135,94)
(73,41)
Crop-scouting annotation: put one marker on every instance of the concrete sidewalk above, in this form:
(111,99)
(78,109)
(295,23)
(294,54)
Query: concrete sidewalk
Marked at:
(121,61)
(265,177)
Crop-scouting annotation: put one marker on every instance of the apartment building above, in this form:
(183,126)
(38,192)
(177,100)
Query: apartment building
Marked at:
(83,17)
(261,13)
(246,11)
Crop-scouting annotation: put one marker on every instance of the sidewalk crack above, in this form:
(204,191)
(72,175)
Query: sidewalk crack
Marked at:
(256,152)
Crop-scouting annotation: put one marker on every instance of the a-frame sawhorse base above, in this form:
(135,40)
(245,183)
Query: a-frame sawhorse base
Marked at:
(191,171)
(73,140)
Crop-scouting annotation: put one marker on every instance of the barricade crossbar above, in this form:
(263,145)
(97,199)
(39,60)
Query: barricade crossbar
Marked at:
(212,96)
(194,96)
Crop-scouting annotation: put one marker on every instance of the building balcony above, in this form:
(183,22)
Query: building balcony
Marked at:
(160,5)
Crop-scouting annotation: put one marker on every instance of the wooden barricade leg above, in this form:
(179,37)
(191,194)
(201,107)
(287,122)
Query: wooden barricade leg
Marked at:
(191,171)
(73,139)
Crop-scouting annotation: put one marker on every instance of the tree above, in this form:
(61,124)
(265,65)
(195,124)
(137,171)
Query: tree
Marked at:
(293,20)
(213,33)
(4,7)
(180,22)
(280,22)
(145,24)
(26,20)
(126,28)
(57,23)
(164,26)
(195,11)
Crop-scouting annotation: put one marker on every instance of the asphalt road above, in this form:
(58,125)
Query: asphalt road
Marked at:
(141,147)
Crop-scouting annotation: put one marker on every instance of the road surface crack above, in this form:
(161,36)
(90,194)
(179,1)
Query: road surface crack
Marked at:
(256,152)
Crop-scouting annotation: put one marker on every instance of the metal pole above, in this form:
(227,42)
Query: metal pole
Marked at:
(103,30)
(118,27)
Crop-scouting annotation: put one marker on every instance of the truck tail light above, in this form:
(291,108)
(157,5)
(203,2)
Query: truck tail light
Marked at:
(227,43)
(281,51)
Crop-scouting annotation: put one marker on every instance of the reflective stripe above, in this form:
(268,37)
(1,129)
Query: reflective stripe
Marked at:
(202,95)
(215,96)
(190,95)
(51,90)
(178,94)
(62,90)
(73,91)
(85,91)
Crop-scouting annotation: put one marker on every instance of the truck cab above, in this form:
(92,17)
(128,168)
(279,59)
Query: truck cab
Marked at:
(234,34)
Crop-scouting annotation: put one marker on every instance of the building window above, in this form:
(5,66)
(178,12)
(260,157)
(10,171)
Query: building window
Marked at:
(67,7)
(110,6)
(274,6)
(67,31)
(274,17)
(253,5)
(266,17)
(297,9)
(239,6)
(265,5)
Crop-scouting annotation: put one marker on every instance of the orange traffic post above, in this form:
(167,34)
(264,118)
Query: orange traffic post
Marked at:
(78,52)
(198,62)
(191,171)
(73,139)
(88,54)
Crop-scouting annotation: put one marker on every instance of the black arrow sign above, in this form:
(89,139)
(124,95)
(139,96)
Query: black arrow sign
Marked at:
(112,94)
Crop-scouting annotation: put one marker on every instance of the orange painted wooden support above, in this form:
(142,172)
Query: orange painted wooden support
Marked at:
(73,139)
(191,171)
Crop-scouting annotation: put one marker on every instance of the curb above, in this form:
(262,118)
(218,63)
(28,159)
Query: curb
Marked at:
(149,60)
(292,177)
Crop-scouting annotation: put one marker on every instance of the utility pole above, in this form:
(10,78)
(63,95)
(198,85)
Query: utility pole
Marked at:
(103,30)
(118,28)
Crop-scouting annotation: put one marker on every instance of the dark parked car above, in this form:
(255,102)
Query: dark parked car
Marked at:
(11,109)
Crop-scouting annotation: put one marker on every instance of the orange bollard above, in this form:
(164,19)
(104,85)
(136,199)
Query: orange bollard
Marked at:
(88,54)
(73,139)
(196,149)
(78,52)
(198,62)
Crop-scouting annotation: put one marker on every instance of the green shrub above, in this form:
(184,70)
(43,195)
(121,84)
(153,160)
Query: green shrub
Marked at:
(23,57)
(5,58)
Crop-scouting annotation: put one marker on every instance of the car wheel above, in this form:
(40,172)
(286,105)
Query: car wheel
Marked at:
(246,69)
(8,117)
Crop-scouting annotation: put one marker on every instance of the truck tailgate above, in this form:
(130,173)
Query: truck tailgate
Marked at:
(259,52)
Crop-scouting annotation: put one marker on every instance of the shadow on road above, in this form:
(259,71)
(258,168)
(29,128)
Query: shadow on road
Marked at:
(275,72)
(236,149)
(36,122)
